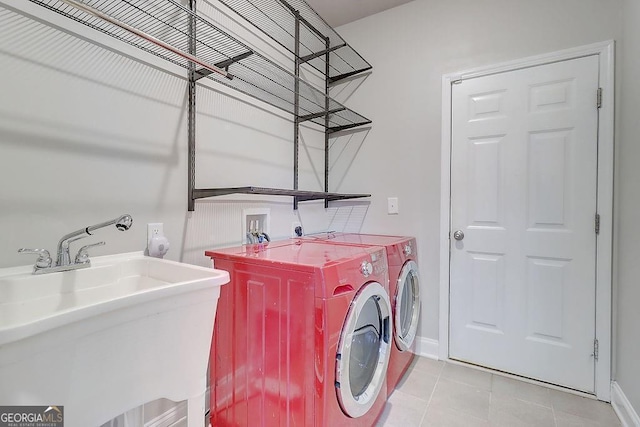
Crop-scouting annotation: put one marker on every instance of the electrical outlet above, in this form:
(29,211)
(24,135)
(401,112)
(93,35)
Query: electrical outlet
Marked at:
(154,229)
(296,229)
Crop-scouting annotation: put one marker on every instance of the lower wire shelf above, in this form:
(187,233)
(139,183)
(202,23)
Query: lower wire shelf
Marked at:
(299,195)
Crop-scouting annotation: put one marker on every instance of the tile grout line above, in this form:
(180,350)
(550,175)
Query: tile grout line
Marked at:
(490,395)
(553,409)
(555,420)
(424,415)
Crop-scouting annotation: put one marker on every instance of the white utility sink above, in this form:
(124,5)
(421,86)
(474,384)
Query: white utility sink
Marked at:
(100,341)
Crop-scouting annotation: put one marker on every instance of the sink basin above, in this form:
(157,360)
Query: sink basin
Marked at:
(128,330)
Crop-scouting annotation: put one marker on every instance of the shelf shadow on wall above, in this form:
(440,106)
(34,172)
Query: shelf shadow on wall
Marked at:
(68,51)
(74,144)
(348,216)
(317,174)
(58,55)
(344,89)
(230,115)
(346,145)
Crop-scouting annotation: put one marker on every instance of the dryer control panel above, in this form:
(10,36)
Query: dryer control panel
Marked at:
(408,250)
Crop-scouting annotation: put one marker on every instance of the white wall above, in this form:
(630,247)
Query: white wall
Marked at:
(91,128)
(628,206)
(410,48)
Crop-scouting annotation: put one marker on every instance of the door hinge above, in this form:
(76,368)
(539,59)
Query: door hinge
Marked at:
(595,349)
(599,98)
(597,224)
(456,82)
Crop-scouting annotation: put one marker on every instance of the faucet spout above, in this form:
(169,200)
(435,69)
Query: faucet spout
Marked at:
(122,223)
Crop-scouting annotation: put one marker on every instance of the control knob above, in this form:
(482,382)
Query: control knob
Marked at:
(407,250)
(366,268)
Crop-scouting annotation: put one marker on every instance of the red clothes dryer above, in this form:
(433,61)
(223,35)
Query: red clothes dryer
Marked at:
(404,291)
(302,336)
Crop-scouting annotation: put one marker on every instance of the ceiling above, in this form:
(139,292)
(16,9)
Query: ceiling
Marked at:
(339,12)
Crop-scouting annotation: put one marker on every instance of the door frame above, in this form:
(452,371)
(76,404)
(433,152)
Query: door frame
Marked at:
(604,243)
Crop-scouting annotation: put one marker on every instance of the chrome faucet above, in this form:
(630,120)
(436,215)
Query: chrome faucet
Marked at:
(63,259)
(122,223)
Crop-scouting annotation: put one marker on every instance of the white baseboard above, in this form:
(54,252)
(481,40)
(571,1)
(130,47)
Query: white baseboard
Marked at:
(427,347)
(621,405)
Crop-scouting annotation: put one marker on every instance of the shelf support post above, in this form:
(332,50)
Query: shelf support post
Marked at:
(296,107)
(191,112)
(326,119)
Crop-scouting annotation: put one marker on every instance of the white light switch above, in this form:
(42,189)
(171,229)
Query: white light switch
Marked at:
(392,206)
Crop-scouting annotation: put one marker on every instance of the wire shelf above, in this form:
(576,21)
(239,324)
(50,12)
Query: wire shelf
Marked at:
(299,195)
(249,72)
(276,18)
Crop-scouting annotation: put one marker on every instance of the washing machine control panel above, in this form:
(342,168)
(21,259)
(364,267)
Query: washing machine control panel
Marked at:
(366,268)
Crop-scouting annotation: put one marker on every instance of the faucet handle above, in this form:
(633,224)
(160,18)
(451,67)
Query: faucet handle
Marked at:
(44,258)
(83,255)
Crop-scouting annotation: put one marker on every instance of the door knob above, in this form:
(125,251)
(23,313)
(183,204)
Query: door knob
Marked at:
(458,235)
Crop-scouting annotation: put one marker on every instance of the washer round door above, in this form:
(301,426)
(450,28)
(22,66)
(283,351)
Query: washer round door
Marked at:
(407,306)
(363,350)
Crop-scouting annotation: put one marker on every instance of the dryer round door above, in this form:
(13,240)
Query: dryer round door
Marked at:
(363,350)
(407,306)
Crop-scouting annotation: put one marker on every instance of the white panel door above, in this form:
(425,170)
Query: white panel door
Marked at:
(523,192)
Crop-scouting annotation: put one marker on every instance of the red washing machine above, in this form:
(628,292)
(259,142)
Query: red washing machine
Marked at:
(404,288)
(302,336)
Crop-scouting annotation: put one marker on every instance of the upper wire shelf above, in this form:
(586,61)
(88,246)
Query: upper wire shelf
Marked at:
(277,19)
(170,23)
(299,195)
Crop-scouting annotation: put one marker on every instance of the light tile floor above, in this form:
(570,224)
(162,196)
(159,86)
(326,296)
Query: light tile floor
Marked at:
(438,394)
